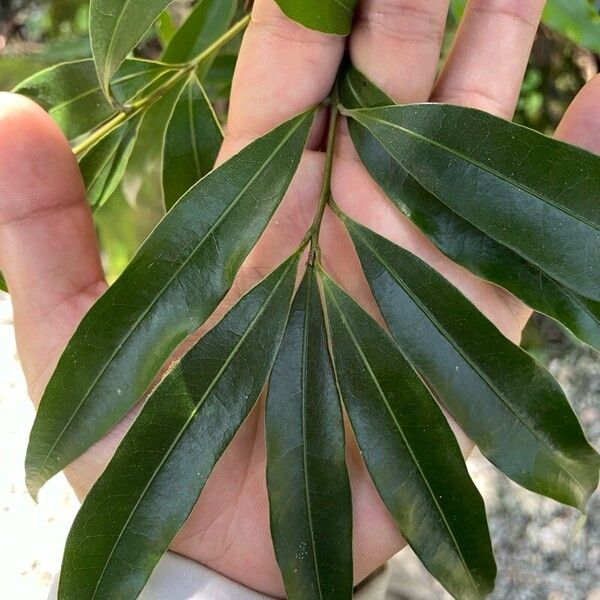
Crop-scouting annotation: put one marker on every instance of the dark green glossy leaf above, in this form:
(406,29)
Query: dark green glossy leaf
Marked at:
(503,400)
(309,492)
(193,139)
(537,196)
(175,281)
(410,451)
(71,94)
(158,472)
(104,164)
(328,16)
(116,26)
(3,286)
(456,237)
(209,20)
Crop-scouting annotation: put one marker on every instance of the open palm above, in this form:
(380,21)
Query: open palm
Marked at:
(49,255)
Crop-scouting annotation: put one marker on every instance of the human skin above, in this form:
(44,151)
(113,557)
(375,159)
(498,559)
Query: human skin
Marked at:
(49,253)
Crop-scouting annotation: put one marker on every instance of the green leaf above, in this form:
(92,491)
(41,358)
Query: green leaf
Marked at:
(116,26)
(175,281)
(3,286)
(328,16)
(577,20)
(410,451)
(158,472)
(456,237)
(193,139)
(503,400)
(71,94)
(218,80)
(142,182)
(504,180)
(104,164)
(209,20)
(309,493)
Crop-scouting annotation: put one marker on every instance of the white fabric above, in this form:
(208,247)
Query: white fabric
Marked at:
(178,578)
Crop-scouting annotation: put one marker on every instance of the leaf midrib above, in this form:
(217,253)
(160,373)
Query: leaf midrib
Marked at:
(167,284)
(474,366)
(193,413)
(403,436)
(304,435)
(487,169)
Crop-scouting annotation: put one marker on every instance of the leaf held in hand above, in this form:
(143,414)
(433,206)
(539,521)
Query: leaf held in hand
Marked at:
(456,237)
(518,197)
(175,281)
(512,408)
(410,451)
(309,492)
(158,472)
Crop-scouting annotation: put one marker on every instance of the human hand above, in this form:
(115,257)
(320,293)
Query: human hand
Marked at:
(49,254)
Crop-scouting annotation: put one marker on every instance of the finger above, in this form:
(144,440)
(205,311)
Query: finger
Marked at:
(397,43)
(48,250)
(283,69)
(487,63)
(581,123)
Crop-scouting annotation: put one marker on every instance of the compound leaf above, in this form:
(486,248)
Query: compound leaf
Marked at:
(456,237)
(158,472)
(410,451)
(328,16)
(510,406)
(309,493)
(175,281)
(71,94)
(504,179)
(116,26)
(193,139)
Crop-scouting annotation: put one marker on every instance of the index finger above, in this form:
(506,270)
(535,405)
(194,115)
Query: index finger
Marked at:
(283,69)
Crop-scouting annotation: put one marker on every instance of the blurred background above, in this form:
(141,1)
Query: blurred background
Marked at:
(544,550)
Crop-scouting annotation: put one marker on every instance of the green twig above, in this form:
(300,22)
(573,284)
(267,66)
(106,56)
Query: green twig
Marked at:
(127,111)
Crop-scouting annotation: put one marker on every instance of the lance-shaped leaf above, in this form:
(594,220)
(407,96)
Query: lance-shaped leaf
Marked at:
(207,22)
(174,282)
(158,472)
(3,286)
(116,26)
(510,406)
(328,16)
(539,197)
(455,236)
(71,94)
(104,164)
(410,451)
(309,493)
(193,139)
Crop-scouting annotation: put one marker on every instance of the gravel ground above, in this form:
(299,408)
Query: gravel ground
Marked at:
(542,549)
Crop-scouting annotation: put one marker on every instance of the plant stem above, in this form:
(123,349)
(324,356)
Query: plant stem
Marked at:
(312,235)
(128,111)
